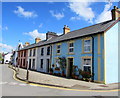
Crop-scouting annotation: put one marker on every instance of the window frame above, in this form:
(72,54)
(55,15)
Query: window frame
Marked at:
(42,52)
(30,53)
(58,49)
(90,45)
(34,51)
(48,50)
(70,47)
(83,65)
(41,63)
(33,63)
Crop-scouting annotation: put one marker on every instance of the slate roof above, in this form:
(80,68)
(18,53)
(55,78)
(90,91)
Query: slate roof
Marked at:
(94,29)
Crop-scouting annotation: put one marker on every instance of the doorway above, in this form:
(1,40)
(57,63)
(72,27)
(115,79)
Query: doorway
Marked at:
(48,63)
(70,67)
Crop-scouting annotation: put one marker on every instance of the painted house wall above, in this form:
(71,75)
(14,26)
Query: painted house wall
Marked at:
(44,57)
(111,55)
(32,57)
(21,58)
(78,55)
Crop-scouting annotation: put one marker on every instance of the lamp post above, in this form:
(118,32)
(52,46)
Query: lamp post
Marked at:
(27,75)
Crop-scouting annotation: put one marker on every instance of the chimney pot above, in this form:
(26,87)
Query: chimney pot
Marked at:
(66,29)
(37,40)
(115,13)
(27,43)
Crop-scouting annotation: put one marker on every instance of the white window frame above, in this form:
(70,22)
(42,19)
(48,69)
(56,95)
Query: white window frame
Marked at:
(87,45)
(69,47)
(58,49)
(83,64)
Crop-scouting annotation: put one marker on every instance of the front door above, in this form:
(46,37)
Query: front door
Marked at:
(70,67)
(48,63)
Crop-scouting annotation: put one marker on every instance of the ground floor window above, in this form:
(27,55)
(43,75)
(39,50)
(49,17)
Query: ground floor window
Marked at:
(87,65)
(41,63)
(29,63)
(33,64)
(23,62)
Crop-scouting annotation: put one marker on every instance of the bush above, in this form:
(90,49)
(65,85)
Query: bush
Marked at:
(51,70)
(86,75)
(57,68)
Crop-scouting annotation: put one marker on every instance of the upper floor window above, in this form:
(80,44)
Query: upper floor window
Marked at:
(58,49)
(21,53)
(48,50)
(34,51)
(87,45)
(42,51)
(30,52)
(71,47)
(24,53)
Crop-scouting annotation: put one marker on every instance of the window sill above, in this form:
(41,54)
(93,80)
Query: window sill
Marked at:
(71,53)
(86,52)
(57,54)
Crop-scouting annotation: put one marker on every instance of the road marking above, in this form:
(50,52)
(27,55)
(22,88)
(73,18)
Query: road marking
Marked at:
(12,83)
(115,90)
(33,85)
(23,84)
(3,83)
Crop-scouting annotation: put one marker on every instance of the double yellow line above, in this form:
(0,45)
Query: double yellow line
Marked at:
(14,77)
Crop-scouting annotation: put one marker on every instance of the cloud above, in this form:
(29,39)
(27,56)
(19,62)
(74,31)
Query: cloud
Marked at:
(34,34)
(105,15)
(6,48)
(27,14)
(0,27)
(57,15)
(82,9)
(75,18)
(40,26)
(6,28)
(3,28)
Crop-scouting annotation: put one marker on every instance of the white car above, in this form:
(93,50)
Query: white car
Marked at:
(6,62)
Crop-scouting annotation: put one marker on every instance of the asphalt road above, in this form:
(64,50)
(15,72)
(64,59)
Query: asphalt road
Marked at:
(11,87)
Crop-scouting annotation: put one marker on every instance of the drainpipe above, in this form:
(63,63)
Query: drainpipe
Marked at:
(50,55)
(92,58)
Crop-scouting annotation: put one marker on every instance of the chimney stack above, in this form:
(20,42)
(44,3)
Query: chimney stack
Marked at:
(50,34)
(66,29)
(115,13)
(37,40)
(27,43)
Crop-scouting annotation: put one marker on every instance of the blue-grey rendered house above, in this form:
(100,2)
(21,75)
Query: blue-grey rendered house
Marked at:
(94,49)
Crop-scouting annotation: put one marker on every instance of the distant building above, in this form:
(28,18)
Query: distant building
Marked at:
(14,56)
(22,59)
(7,58)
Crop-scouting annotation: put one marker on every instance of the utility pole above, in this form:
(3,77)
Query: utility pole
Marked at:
(27,75)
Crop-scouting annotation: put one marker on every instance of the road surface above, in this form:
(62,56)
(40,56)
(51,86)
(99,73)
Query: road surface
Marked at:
(11,87)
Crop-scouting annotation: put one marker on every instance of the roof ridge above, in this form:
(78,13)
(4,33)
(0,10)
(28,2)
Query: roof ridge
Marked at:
(91,25)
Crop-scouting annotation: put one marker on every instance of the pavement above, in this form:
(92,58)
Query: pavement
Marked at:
(14,87)
(50,80)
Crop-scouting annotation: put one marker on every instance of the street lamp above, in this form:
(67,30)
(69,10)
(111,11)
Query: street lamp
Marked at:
(27,75)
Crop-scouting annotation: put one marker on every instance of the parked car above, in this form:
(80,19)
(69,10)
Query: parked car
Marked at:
(6,62)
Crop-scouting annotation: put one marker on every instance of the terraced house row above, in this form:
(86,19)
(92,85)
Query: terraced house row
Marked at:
(93,49)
